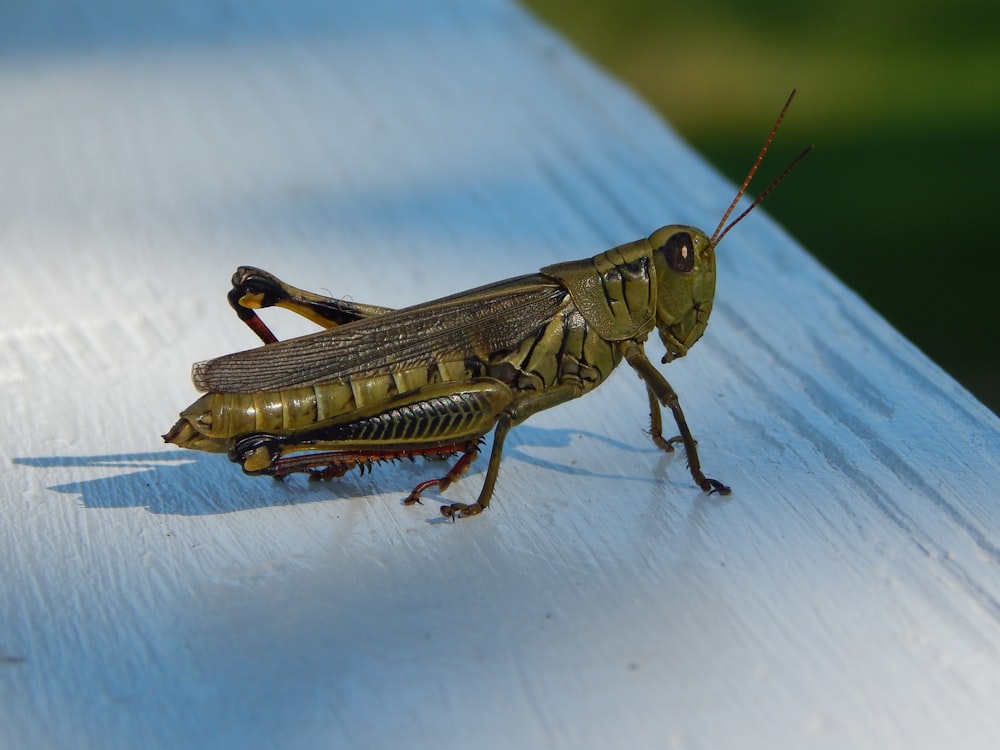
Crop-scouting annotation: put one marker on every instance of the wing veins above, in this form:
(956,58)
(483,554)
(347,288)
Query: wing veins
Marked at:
(491,318)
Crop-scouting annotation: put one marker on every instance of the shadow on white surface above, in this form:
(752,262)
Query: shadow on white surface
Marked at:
(160,481)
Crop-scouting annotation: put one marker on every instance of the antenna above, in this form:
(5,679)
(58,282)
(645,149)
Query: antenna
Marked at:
(719,231)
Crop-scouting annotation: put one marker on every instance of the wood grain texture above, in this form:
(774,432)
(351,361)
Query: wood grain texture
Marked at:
(845,595)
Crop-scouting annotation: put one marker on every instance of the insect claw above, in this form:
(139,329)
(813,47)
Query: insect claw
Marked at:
(668,445)
(711,486)
(461,510)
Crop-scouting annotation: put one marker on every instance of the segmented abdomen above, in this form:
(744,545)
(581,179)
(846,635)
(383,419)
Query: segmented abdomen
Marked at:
(564,349)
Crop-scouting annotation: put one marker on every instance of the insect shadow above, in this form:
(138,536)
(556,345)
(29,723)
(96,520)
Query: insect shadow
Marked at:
(175,482)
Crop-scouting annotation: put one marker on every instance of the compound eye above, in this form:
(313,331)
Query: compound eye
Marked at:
(679,252)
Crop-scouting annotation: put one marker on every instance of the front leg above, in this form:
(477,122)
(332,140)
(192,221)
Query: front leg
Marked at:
(662,393)
(254,289)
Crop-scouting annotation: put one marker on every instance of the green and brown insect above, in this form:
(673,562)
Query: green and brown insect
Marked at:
(432,380)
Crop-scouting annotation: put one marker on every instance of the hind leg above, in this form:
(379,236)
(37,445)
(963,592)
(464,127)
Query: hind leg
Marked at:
(254,289)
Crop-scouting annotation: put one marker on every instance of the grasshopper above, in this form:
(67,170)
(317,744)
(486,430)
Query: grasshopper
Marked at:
(432,380)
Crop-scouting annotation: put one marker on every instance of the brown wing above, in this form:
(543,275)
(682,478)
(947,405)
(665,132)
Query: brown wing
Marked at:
(470,324)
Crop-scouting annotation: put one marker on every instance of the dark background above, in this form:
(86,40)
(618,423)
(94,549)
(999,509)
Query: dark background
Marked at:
(902,101)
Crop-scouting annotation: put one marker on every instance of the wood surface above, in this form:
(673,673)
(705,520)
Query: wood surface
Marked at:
(847,594)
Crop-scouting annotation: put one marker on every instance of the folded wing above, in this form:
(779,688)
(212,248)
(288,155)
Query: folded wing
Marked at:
(476,323)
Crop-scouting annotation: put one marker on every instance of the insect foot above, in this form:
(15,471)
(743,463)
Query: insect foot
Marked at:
(471,450)
(712,486)
(461,510)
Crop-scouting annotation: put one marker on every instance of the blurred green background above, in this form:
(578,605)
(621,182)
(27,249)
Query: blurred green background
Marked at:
(901,99)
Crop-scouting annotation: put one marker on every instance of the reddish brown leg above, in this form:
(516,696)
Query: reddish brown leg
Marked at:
(333,464)
(461,466)
(317,465)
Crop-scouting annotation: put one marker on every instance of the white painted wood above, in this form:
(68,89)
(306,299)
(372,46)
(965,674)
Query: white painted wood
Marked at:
(846,595)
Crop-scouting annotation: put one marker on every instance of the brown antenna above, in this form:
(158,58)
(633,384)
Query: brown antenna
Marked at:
(719,231)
